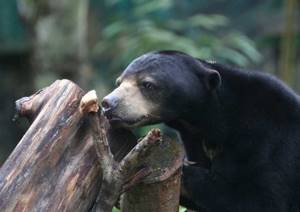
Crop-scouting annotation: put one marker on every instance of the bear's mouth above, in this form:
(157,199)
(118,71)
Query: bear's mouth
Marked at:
(127,123)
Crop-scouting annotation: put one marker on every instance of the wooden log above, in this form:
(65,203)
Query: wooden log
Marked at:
(156,197)
(54,167)
(150,172)
(160,191)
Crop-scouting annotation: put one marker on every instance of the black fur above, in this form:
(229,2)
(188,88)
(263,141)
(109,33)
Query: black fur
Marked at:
(250,119)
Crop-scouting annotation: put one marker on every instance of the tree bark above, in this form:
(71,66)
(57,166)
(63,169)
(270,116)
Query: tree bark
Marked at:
(60,164)
(54,167)
(150,172)
(158,197)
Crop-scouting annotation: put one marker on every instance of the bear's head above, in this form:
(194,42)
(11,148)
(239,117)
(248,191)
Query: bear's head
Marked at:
(160,87)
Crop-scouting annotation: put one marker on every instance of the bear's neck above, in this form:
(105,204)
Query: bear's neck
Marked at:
(201,133)
(207,127)
(213,119)
(207,122)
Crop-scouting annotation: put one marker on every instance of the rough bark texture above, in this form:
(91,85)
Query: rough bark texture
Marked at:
(160,190)
(69,156)
(150,169)
(156,197)
(54,167)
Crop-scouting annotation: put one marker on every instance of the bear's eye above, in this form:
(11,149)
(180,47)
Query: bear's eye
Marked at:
(148,85)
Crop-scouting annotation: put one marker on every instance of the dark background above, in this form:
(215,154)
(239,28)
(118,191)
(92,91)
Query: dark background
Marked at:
(92,41)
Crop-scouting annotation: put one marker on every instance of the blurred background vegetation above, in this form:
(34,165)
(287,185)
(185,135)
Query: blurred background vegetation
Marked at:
(92,41)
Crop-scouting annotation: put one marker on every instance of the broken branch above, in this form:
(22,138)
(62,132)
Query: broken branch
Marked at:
(118,177)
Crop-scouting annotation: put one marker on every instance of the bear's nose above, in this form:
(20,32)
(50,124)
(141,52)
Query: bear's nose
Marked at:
(109,103)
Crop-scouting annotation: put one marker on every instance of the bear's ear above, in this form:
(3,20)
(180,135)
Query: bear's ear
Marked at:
(212,79)
(209,76)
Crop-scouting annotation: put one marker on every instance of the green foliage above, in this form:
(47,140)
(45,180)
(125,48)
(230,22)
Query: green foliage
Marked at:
(145,26)
(13,35)
(115,210)
(182,209)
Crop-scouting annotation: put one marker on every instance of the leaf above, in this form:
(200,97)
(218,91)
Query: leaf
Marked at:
(208,21)
(233,56)
(115,209)
(113,29)
(147,7)
(245,45)
(182,209)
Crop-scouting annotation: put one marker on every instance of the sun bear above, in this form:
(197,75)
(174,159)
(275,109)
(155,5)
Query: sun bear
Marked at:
(240,128)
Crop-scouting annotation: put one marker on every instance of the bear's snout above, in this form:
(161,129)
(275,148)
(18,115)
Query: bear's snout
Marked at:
(109,103)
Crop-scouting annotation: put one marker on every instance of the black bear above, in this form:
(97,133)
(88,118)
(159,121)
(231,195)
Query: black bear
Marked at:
(241,128)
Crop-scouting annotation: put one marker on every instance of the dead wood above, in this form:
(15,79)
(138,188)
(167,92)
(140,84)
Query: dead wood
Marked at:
(70,151)
(153,163)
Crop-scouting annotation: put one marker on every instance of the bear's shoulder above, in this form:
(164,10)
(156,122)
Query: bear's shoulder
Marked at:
(256,83)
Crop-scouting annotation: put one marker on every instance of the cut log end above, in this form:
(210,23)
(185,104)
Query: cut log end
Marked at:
(154,135)
(89,102)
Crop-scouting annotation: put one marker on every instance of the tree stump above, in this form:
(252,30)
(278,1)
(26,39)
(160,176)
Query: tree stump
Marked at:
(161,190)
(55,166)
